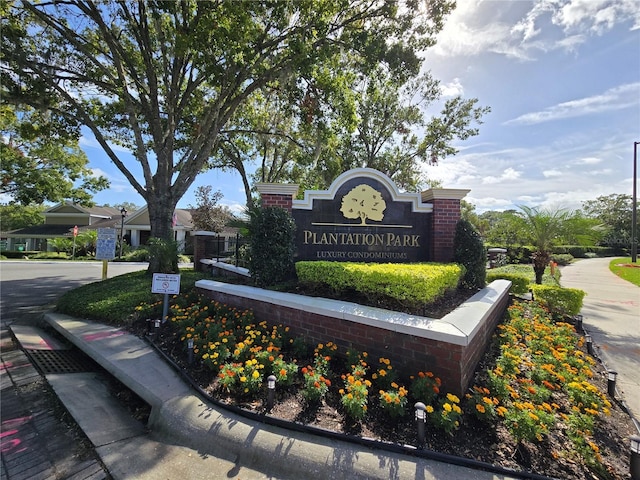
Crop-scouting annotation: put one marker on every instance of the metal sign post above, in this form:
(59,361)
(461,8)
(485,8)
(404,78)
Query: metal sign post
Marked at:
(106,248)
(168,284)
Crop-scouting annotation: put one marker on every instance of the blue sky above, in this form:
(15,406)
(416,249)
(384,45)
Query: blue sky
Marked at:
(562,78)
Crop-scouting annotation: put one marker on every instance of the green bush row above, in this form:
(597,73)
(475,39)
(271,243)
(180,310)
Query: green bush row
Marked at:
(519,283)
(522,254)
(411,283)
(562,301)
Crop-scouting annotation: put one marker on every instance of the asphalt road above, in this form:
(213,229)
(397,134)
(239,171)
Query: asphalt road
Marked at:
(29,287)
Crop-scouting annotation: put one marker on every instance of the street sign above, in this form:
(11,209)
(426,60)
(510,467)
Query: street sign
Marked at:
(167,283)
(106,244)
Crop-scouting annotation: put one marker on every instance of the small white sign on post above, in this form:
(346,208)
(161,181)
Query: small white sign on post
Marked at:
(168,283)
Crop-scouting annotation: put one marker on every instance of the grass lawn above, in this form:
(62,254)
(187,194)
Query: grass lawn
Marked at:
(622,267)
(115,299)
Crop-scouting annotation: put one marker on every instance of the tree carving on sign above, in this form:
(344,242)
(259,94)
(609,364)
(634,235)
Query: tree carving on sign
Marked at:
(363,202)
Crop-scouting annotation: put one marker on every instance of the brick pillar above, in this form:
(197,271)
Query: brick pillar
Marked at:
(199,249)
(277,195)
(445,216)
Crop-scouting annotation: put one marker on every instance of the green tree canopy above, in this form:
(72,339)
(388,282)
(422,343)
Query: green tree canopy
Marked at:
(614,213)
(41,159)
(14,216)
(380,123)
(164,78)
(207,214)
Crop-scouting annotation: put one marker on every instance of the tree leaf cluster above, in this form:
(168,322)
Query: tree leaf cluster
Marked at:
(165,79)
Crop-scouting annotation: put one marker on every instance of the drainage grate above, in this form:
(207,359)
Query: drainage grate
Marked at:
(61,361)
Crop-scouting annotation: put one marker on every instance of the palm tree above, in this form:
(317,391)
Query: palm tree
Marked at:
(542,228)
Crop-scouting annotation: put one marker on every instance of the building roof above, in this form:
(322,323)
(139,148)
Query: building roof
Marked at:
(112,219)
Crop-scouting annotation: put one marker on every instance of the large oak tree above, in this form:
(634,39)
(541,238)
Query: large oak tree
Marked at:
(163,78)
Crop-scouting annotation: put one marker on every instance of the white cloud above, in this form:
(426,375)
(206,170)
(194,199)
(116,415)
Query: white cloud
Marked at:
(552,173)
(452,89)
(519,29)
(601,173)
(617,98)
(588,161)
(595,16)
(508,175)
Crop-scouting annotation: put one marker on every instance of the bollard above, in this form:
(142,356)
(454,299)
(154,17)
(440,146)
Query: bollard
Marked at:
(271,391)
(634,463)
(421,420)
(190,351)
(611,383)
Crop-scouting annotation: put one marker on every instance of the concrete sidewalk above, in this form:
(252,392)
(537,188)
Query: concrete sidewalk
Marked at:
(611,315)
(181,420)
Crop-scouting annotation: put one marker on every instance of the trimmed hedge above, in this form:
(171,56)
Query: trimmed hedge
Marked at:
(562,258)
(563,301)
(519,283)
(417,283)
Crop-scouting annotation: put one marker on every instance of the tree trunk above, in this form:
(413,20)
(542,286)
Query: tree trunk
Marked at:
(163,249)
(540,261)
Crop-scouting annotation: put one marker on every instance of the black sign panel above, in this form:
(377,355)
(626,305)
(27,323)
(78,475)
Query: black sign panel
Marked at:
(365,221)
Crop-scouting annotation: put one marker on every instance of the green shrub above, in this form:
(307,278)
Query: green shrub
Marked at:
(469,251)
(519,254)
(140,254)
(585,251)
(562,258)
(563,301)
(50,256)
(415,284)
(272,246)
(165,252)
(519,283)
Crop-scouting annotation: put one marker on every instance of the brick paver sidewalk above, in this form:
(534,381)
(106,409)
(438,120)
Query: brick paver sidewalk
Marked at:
(38,440)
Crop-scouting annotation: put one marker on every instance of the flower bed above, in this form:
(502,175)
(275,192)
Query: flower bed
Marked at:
(536,403)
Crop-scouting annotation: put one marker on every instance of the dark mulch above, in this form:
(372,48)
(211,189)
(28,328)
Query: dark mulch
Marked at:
(473,440)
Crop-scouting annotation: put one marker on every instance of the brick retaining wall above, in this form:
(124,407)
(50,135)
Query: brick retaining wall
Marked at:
(450,347)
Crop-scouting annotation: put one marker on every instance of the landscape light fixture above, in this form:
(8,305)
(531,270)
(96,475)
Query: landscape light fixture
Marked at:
(421,420)
(123,213)
(635,457)
(190,351)
(589,342)
(579,319)
(634,213)
(156,323)
(271,391)
(611,383)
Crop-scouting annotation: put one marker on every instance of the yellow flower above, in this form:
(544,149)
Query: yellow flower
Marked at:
(429,409)
(447,407)
(452,398)
(255,374)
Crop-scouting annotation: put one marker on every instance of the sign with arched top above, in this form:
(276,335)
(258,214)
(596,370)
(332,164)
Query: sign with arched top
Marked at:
(362,217)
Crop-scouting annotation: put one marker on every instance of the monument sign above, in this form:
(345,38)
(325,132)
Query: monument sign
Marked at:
(362,217)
